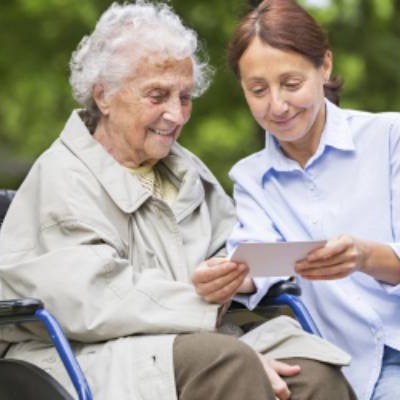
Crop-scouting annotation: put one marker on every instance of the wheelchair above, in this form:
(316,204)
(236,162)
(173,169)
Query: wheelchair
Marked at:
(22,380)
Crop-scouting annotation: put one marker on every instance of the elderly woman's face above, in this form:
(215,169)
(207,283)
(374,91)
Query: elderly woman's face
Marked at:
(145,117)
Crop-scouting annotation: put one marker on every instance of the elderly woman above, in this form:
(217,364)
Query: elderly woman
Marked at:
(115,217)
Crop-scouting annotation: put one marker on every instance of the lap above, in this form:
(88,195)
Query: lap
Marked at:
(207,360)
(215,366)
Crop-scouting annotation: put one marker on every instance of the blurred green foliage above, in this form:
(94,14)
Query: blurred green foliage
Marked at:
(38,36)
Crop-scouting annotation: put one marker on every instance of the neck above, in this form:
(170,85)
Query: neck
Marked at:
(118,148)
(300,152)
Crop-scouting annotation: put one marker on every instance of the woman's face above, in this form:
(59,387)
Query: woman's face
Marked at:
(284,91)
(142,120)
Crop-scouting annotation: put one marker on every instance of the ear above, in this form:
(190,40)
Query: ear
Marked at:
(327,65)
(100,98)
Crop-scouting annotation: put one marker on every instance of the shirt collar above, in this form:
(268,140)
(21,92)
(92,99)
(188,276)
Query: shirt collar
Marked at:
(336,134)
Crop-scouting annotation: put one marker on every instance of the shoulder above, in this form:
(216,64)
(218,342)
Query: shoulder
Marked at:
(251,167)
(385,120)
(59,187)
(367,128)
(59,168)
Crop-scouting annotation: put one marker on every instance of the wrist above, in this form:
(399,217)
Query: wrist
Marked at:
(247,287)
(364,255)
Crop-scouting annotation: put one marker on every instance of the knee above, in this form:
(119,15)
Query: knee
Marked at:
(213,349)
(319,380)
(329,379)
(218,367)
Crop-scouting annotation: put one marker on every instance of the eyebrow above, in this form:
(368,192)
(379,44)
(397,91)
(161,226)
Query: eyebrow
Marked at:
(255,80)
(159,85)
(285,75)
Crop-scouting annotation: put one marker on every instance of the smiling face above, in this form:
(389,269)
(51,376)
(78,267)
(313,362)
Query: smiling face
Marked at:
(284,91)
(141,121)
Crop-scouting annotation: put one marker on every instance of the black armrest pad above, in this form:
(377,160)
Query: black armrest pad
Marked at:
(288,286)
(19,307)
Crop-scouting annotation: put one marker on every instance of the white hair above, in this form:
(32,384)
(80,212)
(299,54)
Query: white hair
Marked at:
(150,29)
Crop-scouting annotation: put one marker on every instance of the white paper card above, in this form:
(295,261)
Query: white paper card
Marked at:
(273,259)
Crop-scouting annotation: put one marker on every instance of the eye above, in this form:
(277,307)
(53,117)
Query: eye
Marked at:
(157,96)
(292,85)
(258,91)
(186,99)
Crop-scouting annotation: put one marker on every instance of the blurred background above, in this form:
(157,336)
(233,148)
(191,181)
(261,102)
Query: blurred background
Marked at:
(38,36)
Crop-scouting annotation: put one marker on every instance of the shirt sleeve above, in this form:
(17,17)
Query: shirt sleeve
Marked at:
(395,196)
(395,184)
(253,225)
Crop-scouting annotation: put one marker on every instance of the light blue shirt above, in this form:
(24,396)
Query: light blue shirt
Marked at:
(350,186)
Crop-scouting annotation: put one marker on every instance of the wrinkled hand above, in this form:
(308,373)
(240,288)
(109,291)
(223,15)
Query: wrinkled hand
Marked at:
(217,280)
(274,370)
(339,258)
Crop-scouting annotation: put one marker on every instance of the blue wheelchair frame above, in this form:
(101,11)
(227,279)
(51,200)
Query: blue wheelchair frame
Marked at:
(284,294)
(287,293)
(298,308)
(32,310)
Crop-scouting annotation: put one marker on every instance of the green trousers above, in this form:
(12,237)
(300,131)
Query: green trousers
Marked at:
(212,366)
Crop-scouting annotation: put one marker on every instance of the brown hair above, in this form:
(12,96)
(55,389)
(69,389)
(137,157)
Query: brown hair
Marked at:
(285,25)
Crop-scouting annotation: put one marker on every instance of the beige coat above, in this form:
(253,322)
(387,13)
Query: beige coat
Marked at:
(114,264)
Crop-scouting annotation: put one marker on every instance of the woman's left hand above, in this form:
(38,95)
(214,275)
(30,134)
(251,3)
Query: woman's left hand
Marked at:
(339,258)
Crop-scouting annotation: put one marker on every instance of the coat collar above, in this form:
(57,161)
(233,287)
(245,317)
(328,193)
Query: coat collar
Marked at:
(125,189)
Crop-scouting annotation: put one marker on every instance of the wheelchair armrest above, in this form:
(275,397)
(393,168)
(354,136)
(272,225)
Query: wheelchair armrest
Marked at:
(285,293)
(11,310)
(29,310)
(288,286)
(288,293)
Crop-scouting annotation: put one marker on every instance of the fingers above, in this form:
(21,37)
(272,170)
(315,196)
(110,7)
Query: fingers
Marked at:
(217,280)
(205,273)
(279,386)
(274,370)
(284,369)
(224,290)
(318,272)
(338,271)
(336,260)
(332,249)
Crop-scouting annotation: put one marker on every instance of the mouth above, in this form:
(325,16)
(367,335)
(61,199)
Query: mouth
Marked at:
(163,132)
(284,121)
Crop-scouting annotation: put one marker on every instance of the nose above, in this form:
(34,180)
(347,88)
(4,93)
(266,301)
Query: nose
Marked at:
(278,104)
(174,111)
